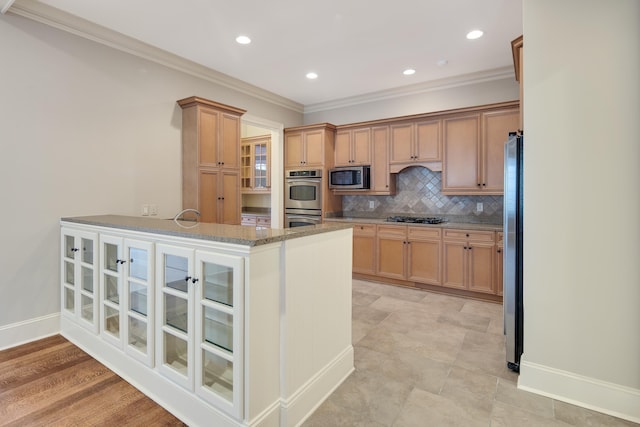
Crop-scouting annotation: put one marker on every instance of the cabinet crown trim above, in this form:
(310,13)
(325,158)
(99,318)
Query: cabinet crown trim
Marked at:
(196,100)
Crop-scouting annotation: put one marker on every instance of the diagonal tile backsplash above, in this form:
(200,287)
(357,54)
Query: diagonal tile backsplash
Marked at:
(418,194)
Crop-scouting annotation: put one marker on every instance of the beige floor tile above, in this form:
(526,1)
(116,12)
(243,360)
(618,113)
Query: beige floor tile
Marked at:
(474,388)
(578,416)
(481,308)
(411,320)
(504,415)
(483,352)
(508,393)
(465,320)
(427,409)
(359,330)
(363,298)
(395,305)
(368,315)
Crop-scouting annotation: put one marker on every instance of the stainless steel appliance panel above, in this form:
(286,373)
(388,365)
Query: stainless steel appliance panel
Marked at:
(513,236)
(303,190)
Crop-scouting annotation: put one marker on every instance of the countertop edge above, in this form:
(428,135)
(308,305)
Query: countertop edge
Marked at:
(222,233)
(457,225)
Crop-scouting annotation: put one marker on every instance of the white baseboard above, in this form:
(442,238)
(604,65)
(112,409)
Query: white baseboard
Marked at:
(29,330)
(612,399)
(304,401)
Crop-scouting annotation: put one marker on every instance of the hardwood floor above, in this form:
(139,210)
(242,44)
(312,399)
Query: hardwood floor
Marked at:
(52,382)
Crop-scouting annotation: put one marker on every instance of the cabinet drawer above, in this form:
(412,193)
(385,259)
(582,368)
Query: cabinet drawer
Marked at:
(364,230)
(398,231)
(424,233)
(263,221)
(248,220)
(478,236)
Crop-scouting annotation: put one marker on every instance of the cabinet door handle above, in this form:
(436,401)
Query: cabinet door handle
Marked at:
(194,280)
(186,279)
(120,261)
(74,249)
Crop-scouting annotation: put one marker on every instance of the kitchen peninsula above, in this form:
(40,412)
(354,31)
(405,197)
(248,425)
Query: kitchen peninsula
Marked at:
(221,324)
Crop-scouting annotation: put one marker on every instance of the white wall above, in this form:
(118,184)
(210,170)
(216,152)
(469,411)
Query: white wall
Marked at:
(84,129)
(582,203)
(436,99)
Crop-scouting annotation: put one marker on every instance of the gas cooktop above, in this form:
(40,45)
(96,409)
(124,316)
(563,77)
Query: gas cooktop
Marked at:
(417,220)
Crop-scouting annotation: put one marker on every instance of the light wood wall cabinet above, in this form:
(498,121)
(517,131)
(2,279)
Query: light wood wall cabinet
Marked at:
(473,161)
(211,159)
(353,147)
(418,142)
(468,260)
(309,146)
(364,248)
(255,160)
(409,253)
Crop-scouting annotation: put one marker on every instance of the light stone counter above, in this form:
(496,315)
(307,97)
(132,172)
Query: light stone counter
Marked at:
(236,234)
(457,225)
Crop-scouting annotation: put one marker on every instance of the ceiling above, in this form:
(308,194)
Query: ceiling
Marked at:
(357,47)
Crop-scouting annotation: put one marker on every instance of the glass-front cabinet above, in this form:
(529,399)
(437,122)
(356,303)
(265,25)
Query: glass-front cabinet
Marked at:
(80,277)
(126,275)
(199,306)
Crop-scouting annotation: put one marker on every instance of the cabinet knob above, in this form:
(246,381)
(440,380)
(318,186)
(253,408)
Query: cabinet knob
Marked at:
(186,279)
(194,280)
(499,251)
(75,249)
(467,234)
(120,261)
(478,184)
(484,185)
(465,248)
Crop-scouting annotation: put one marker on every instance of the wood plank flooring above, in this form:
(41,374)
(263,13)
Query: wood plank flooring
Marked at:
(51,382)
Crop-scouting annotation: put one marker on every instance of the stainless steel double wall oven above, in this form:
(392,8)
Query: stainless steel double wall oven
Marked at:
(303,197)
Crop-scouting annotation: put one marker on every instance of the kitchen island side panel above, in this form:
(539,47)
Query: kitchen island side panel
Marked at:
(317,354)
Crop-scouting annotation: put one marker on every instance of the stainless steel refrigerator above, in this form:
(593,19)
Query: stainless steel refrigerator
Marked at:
(513,236)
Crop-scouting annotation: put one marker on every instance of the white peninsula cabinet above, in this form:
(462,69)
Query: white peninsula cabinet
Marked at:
(222,325)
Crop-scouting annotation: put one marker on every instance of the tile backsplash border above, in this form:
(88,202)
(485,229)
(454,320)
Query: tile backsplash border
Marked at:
(418,194)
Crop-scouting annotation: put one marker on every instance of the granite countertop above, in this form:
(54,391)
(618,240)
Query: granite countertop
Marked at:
(461,225)
(236,234)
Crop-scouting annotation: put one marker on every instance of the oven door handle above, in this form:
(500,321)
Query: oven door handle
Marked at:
(310,181)
(289,216)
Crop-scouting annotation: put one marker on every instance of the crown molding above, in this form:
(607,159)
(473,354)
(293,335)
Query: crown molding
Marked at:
(429,86)
(44,14)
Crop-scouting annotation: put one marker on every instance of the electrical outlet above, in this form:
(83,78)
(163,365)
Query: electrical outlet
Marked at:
(479,206)
(371,204)
(153,209)
(145,210)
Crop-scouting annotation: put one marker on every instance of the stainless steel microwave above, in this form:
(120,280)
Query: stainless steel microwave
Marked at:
(350,178)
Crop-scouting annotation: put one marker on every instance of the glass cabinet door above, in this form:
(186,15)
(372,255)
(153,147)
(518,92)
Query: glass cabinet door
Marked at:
(219,330)
(139,297)
(111,266)
(260,172)
(79,277)
(174,305)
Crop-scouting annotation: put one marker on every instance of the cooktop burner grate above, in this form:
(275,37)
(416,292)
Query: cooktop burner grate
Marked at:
(417,220)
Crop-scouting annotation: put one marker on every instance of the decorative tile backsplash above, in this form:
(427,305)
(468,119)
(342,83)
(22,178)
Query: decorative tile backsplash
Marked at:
(418,194)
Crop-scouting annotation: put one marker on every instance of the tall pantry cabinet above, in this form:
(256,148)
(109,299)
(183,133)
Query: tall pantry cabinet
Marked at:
(211,159)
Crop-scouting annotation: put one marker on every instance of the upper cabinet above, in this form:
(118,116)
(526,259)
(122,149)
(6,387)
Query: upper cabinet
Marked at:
(211,159)
(255,159)
(309,146)
(516,49)
(415,143)
(353,147)
(473,160)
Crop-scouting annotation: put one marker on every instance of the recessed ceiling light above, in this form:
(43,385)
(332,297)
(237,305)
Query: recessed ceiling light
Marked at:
(475,34)
(409,71)
(442,62)
(312,76)
(243,39)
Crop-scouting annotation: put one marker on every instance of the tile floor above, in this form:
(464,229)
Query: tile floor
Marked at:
(425,359)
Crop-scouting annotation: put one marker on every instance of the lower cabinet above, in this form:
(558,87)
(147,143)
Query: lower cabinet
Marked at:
(199,326)
(468,260)
(254,220)
(126,297)
(409,253)
(79,277)
(364,248)
(211,330)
